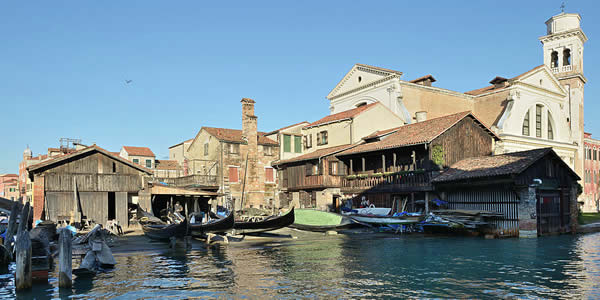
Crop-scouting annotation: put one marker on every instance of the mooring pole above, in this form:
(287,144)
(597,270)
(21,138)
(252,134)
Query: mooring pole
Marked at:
(23,261)
(65,259)
(24,219)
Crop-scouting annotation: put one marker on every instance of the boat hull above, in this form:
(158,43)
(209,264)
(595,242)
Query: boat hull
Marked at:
(320,221)
(165,231)
(264,226)
(221,226)
(385,220)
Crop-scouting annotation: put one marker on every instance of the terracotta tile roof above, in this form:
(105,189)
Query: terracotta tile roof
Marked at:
(235,135)
(380,69)
(495,165)
(138,151)
(348,114)
(167,165)
(186,141)
(422,78)
(414,134)
(9,175)
(315,154)
(493,87)
(284,128)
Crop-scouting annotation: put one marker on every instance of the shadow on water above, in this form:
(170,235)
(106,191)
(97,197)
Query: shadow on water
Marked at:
(357,266)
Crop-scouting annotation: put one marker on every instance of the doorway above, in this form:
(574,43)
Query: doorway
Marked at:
(112,212)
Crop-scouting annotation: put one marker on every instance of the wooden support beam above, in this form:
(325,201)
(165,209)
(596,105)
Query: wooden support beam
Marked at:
(351,167)
(394,162)
(426,203)
(414,160)
(24,219)
(412,202)
(383,162)
(65,259)
(364,164)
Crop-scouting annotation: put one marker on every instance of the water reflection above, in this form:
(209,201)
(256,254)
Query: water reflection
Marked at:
(358,266)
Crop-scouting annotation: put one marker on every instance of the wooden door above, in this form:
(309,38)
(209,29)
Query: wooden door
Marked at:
(122,209)
(549,213)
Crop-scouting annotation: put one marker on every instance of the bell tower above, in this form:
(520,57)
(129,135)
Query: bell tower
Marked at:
(563,54)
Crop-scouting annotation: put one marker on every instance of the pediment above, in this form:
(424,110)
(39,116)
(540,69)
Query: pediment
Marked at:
(542,78)
(360,75)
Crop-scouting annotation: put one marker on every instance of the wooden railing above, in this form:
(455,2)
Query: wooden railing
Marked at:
(401,181)
(316,181)
(189,180)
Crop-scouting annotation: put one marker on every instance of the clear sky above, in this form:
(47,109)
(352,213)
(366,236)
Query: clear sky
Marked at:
(63,64)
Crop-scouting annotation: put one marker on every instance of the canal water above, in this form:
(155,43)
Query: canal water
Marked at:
(348,266)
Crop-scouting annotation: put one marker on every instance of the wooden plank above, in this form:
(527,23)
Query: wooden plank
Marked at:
(121,207)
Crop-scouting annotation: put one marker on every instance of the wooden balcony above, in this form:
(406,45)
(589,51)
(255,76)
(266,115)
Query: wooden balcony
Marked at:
(313,182)
(202,181)
(411,181)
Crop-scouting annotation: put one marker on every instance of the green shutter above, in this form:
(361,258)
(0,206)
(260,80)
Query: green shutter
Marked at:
(287,143)
(298,144)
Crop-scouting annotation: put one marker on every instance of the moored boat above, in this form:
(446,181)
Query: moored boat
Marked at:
(320,221)
(164,231)
(387,220)
(213,226)
(268,224)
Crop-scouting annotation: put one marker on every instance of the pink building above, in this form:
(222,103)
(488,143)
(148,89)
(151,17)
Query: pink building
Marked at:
(9,187)
(591,176)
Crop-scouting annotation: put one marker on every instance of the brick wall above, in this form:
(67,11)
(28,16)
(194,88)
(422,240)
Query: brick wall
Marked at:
(38,197)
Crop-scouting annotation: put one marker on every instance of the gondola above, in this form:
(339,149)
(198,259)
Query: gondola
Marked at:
(156,229)
(164,231)
(214,226)
(269,224)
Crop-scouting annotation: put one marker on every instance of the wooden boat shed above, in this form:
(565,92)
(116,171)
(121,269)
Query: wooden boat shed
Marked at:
(90,184)
(535,190)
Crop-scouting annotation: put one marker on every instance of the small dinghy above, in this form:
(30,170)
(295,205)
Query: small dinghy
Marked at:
(320,221)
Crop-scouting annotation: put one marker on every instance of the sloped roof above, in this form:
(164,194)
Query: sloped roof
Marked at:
(235,135)
(59,159)
(379,133)
(186,141)
(423,78)
(9,175)
(315,154)
(167,165)
(138,151)
(284,128)
(490,88)
(348,114)
(380,69)
(417,133)
(495,165)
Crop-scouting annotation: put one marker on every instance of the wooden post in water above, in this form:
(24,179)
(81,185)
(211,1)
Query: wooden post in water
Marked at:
(65,259)
(24,220)
(426,203)
(11,229)
(172,242)
(23,261)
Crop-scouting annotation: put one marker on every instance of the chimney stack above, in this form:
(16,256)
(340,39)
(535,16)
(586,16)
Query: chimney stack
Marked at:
(421,116)
(252,197)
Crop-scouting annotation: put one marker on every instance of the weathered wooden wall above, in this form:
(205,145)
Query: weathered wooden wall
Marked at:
(463,140)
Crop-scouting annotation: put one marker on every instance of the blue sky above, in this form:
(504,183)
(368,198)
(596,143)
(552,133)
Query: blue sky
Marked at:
(64,63)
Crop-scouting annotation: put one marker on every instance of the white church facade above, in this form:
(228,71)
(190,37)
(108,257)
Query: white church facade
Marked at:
(542,107)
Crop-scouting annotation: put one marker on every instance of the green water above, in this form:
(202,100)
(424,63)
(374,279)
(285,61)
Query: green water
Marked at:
(357,266)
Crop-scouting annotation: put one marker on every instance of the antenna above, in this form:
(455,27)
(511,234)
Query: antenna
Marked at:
(562,7)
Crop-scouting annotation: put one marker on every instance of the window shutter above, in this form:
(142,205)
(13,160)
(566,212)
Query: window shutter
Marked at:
(287,143)
(269,175)
(233,174)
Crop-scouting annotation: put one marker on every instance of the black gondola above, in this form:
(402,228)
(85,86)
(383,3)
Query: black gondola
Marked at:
(164,231)
(156,229)
(265,225)
(214,226)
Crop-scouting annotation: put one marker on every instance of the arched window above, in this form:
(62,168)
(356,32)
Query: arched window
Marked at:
(566,57)
(526,124)
(361,104)
(554,59)
(550,131)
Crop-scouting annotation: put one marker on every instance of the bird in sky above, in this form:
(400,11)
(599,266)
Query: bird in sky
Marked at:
(128,81)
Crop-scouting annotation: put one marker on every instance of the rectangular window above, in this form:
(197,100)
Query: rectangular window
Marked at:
(322,138)
(308,141)
(267,150)
(234,148)
(309,169)
(233,174)
(297,144)
(287,143)
(148,163)
(550,132)
(538,121)
(136,161)
(205,149)
(595,154)
(269,177)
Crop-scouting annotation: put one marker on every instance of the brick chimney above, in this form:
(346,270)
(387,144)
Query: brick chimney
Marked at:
(253,196)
